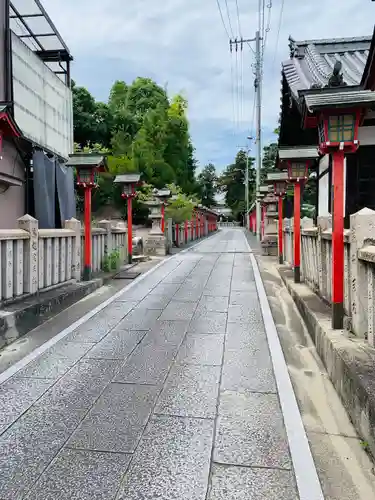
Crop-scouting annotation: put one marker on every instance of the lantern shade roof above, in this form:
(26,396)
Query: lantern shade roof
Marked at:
(270,198)
(298,153)
(127,178)
(264,189)
(311,61)
(163,193)
(87,160)
(277,177)
(327,98)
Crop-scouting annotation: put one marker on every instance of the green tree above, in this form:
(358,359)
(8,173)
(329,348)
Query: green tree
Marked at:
(232,183)
(141,130)
(207,181)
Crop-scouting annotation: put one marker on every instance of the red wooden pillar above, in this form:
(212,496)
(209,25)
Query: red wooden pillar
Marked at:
(281,258)
(186,231)
(130,230)
(88,242)
(162,218)
(197,226)
(297,232)
(192,228)
(177,229)
(263,216)
(338,241)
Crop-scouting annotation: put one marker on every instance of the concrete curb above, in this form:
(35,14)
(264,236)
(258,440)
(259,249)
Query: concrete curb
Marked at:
(349,361)
(19,318)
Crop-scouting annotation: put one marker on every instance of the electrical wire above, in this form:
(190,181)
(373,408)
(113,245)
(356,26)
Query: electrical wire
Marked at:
(268,26)
(242,87)
(232,94)
(238,20)
(230,23)
(222,18)
(237,93)
(278,32)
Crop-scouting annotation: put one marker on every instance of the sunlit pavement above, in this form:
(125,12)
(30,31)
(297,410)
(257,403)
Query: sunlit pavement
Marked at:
(168,392)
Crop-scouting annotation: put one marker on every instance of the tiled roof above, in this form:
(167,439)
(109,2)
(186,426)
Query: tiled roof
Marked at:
(320,100)
(368,77)
(302,152)
(312,61)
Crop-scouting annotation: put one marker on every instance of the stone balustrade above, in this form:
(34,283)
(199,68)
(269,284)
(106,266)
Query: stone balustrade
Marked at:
(184,233)
(33,259)
(229,224)
(359,265)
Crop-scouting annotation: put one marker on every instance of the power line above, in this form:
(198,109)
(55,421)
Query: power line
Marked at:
(230,24)
(222,18)
(238,19)
(268,27)
(278,31)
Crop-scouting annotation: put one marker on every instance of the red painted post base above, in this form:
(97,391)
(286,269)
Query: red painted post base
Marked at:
(337,316)
(130,230)
(338,240)
(280,228)
(88,242)
(297,232)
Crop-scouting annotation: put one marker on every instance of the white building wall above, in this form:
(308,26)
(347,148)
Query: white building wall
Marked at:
(324,209)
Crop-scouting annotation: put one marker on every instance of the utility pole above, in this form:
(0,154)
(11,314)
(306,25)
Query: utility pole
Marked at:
(258,88)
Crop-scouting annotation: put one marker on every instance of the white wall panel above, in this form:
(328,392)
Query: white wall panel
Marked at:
(42,102)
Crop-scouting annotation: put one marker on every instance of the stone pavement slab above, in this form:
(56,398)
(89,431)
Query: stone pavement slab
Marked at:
(168,392)
(245,483)
(116,421)
(84,472)
(190,391)
(201,349)
(172,461)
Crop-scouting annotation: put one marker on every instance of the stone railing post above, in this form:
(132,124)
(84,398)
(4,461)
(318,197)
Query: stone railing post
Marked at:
(170,233)
(107,226)
(323,223)
(362,227)
(29,224)
(74,225)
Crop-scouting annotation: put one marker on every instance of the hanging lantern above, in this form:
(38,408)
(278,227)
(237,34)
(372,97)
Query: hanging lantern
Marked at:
(338,129)
(87,176)
(280,188)
(129,182)
(88,166)
(297,171)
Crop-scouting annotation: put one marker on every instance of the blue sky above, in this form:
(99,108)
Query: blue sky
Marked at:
(182,44)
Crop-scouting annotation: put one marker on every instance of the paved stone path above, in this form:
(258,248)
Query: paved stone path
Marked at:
(167,393)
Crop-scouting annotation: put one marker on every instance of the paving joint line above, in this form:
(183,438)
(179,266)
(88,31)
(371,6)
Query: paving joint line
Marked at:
(307,480)
(209,482)
(152,413)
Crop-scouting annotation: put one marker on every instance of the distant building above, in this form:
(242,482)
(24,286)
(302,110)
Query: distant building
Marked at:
(310,82)
(36,116)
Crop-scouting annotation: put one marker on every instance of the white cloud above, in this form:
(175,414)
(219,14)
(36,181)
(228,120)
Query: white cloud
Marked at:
(183,43)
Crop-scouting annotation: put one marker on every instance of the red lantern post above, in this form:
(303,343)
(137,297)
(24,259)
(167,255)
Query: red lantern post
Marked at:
(338,135)
(263,217)
(87,167)
(186,225)
(279,181)
(297,174)
(163,195)
(129,183)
